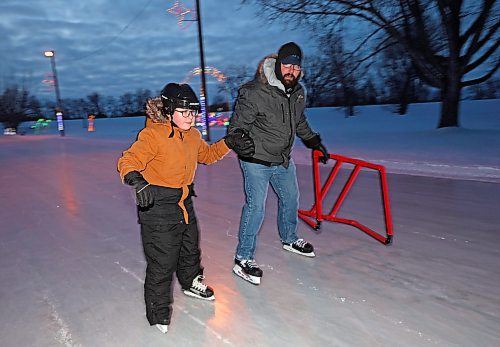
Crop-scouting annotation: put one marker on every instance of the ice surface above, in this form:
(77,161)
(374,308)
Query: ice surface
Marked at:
(72,268)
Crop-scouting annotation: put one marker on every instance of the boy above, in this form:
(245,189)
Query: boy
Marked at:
(161,166)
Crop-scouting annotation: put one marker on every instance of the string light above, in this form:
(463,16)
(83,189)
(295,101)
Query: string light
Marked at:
(210,70)
(217,117)
(49,82)
(180,11)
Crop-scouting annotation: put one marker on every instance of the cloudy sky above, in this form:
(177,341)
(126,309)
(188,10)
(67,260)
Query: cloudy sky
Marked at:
(112,47)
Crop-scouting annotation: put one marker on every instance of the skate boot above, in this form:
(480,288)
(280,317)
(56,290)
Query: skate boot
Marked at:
(162,327)
(200,290)
(300,247)
(248,270)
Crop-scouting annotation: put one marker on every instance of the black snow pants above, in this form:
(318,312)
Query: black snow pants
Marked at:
(168,248)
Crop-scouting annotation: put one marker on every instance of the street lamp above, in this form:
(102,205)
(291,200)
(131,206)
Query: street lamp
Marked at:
(180,11)
(59,112)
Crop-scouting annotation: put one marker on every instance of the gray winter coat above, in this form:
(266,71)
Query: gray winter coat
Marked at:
(271,117)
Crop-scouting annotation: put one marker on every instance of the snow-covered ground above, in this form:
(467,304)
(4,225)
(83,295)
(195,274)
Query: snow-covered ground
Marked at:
(409,144)
(72,268)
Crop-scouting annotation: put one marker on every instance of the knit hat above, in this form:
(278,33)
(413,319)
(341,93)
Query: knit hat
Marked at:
(290,53)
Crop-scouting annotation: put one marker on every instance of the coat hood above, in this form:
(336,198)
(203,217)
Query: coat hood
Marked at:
(265,72)
(154,111)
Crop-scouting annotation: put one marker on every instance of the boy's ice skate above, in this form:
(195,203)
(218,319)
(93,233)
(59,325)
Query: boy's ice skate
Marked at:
(200,290)
(248,270)
(162,327)
(300,247)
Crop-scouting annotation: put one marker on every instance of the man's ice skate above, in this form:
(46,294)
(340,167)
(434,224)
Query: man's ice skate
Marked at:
(200,290)
(162,327)
(248,270)
(300,247)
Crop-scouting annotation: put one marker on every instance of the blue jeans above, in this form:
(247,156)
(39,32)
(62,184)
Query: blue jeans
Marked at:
(256,182)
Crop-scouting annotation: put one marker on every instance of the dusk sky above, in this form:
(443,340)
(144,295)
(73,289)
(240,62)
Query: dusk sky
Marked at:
(112,47)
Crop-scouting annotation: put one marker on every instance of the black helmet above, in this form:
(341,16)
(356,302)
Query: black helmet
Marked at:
(175,95)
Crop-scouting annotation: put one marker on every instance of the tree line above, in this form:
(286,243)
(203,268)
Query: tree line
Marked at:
(17,105)
(446,44)
(406,51)
(392,86)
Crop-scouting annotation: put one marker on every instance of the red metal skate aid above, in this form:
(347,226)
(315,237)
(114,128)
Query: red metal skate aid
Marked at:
(316,211)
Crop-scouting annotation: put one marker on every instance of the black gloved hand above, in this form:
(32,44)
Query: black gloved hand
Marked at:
(240,141)
(315,144)
(143,190)
(324,158)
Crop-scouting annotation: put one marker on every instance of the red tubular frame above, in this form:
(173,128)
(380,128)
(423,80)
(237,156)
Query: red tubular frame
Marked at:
(316,210)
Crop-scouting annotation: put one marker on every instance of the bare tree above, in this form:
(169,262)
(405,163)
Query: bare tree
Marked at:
(111,107)
(344,69)
(77,108)
(140,98)
(368,92)
(465,39)
(95,102)
(315,79)
(236,76)
(488,90)
(17,106)
(126,104)
(398,77)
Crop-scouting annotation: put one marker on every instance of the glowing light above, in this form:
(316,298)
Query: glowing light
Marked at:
(210,70)
(49,81)
(213,118)
(90,127)
(180,11)
(40,124)
(60,123)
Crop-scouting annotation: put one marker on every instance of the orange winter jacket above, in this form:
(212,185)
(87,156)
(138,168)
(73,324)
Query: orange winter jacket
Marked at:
(167,156)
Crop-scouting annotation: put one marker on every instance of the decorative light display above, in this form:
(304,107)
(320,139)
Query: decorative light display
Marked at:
(204,126)
(49,81)
(216,118)
(60,122)
(180,11)
(210,70)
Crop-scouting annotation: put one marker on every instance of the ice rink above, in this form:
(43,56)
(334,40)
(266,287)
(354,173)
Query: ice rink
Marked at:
(72,267)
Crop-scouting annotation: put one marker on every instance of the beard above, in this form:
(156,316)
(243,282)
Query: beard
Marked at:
(289,81)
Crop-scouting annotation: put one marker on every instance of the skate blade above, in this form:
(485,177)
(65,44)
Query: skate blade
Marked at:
(293,250)
(193,295)
(252,279)
(162,328)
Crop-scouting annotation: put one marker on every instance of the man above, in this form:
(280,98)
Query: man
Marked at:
(271,109)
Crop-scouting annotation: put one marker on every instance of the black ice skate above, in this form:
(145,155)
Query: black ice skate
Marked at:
(300,247)
(248,270)
(200,290)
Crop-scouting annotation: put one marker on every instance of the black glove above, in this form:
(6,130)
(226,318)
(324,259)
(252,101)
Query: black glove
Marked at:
(324,158)
(315,144)
(143,190)
(240,141)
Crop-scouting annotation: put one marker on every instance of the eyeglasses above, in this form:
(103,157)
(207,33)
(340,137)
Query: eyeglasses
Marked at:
(187,113)
(291,66)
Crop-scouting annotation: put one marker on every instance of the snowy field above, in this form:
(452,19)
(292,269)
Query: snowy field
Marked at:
(72,268)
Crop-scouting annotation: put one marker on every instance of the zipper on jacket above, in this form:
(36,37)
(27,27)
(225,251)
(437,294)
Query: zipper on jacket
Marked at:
(283,113)
(292,119)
